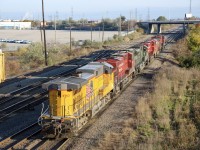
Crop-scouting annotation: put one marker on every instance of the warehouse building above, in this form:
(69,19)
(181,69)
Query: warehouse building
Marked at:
(15,25)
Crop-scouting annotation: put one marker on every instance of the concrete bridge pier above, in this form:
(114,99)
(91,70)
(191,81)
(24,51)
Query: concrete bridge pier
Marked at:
(185,28)
(159,29)
(150,28)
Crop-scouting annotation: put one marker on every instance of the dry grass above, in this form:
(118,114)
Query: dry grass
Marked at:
(168,118)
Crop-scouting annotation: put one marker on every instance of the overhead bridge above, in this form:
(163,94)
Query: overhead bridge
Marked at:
(185,23)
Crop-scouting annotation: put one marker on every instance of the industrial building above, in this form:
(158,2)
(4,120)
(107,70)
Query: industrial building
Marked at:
(15,25)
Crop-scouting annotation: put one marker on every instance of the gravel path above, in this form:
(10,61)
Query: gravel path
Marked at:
(121,109)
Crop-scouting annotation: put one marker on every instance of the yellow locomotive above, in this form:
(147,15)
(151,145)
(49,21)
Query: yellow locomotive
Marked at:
(74,100)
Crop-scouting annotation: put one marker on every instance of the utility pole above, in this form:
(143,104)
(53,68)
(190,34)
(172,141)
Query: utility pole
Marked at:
(190,6)
(120,25)
(41,35)
(70,34)
(103,31)
(136,14)
(169,14)
(55,23)
(45,46)
(91,31)
(70,31)
(148,15)
(130,24)
(72,12)
(99,33)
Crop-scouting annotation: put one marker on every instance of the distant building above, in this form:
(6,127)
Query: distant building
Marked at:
(7,24)
(188,16)
(94,21)
(45,23)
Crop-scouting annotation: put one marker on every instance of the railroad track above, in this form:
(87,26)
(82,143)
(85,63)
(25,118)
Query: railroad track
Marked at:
(20,78)
(20,136)
(25,103)
(30,138)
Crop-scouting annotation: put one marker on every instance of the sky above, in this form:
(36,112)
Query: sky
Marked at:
(96,9)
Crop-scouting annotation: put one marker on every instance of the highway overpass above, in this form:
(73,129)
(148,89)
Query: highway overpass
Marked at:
(159,23)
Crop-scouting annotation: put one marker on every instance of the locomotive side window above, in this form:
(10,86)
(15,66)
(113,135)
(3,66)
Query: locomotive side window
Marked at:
(106,71)
(59,93)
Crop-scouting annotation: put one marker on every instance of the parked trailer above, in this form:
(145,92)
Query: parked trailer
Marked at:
(2,67)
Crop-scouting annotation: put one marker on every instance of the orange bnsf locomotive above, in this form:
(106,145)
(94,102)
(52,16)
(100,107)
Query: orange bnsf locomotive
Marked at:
(74,100)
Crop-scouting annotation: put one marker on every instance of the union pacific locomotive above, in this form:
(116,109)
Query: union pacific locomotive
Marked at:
(76,99)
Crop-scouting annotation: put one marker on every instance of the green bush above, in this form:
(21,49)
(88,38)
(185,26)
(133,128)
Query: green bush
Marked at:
(192,57)
(194,39)
(34,56)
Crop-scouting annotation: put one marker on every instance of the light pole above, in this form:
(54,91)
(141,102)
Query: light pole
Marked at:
(43,25)
(103,30)
(91,32)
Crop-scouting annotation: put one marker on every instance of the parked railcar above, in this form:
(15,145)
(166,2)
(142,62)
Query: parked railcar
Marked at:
(2,67)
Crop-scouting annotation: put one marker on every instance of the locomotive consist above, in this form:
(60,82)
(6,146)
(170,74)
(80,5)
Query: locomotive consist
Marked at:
(76,99)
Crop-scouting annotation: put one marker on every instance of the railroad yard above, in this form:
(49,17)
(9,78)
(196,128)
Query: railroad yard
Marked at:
(22,99)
